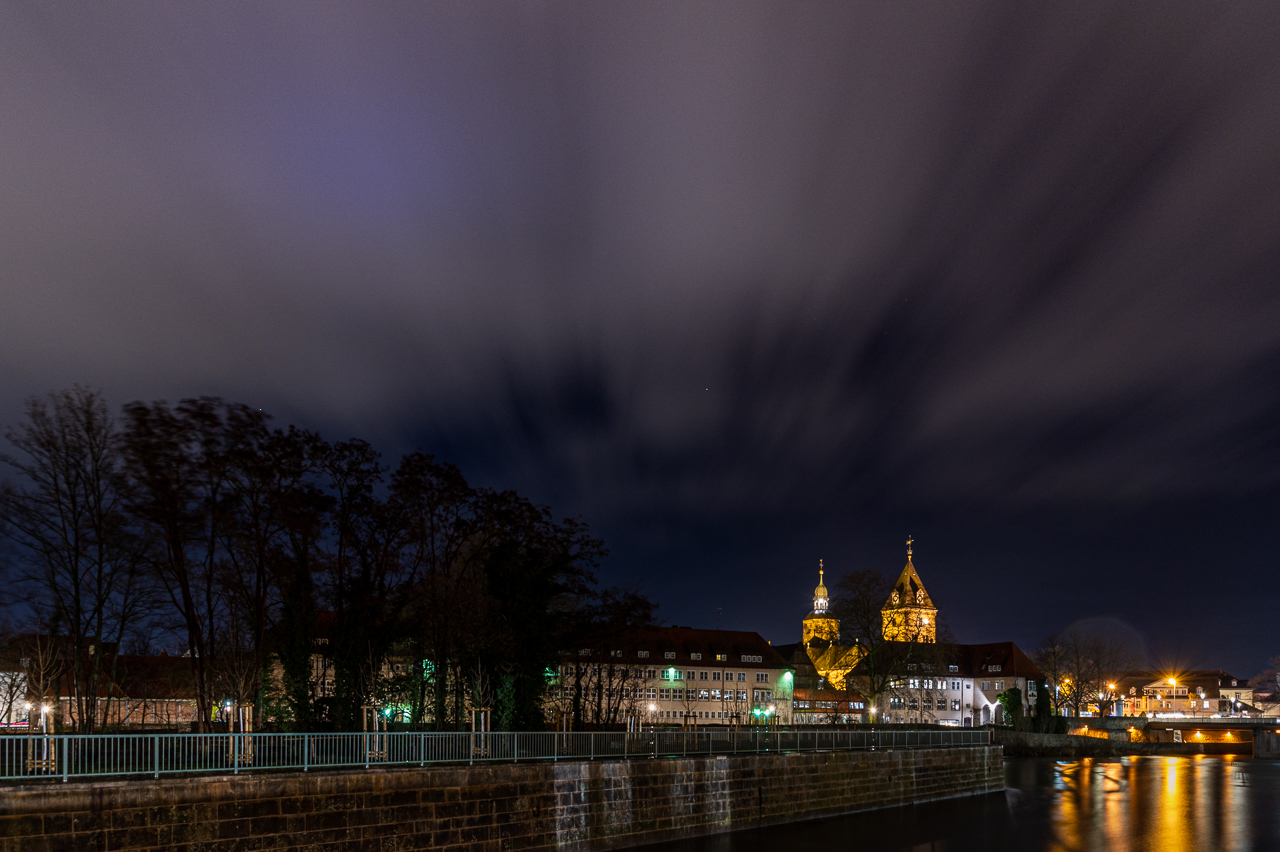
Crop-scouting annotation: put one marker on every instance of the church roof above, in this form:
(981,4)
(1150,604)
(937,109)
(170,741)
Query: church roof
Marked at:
(909,588)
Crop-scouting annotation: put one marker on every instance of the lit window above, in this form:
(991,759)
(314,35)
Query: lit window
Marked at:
(695,656)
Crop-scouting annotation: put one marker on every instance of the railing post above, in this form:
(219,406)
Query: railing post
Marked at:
(155,749)
(593,745)
(65,750)
(306,752)
(235,752)
(515,748)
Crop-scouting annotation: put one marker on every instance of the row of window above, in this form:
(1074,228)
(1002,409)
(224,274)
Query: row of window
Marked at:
(928,684)
(712,695)
(666,674)
(925,703)
(637,693)
(826,705)
(696,714)
(671,655)
(677,674)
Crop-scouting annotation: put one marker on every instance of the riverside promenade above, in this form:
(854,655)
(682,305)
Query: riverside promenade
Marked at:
(494,797)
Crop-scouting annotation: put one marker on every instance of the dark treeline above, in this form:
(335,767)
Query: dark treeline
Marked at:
(290,571)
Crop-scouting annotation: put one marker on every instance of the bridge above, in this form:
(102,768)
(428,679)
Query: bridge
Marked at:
(1263,732)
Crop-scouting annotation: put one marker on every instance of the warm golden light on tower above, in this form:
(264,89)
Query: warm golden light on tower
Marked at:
(909,615)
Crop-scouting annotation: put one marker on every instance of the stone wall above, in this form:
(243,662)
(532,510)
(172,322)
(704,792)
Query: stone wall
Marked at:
(570,805)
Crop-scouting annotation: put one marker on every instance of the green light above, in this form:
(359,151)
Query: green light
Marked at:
(786,675)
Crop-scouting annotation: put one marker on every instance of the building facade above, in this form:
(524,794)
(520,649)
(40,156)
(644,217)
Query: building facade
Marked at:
(679,676)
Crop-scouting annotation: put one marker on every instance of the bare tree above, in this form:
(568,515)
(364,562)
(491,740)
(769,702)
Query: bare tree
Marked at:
(177,460)
(1080,669)
(82,555)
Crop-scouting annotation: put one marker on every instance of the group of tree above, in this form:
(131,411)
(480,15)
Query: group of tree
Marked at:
(1081,669)
(259,551)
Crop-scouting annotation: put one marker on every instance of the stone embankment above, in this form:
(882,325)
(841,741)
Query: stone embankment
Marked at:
(569,805)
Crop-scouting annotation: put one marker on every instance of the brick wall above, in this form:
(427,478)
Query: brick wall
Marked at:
(571,805)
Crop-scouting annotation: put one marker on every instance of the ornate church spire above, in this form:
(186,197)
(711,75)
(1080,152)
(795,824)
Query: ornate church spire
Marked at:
(820,598)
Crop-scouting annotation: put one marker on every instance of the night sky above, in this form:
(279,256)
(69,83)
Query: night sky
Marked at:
(744,285)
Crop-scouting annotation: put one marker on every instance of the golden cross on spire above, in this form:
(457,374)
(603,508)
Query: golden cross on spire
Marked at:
(910,539)
(819,571)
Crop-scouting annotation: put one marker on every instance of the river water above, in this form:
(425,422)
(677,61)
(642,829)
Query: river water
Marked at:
(1133,804)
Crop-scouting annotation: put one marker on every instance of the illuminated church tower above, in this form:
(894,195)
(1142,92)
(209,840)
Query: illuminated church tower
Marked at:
(819,624)
(909,615)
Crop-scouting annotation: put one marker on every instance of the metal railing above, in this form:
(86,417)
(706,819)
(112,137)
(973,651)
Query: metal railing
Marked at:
(68,756)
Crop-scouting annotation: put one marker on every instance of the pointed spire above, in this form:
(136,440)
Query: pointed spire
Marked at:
(820,598)
(909,590)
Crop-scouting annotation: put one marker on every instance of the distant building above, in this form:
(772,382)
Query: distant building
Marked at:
(674,676)
(947,684)
(1191,693)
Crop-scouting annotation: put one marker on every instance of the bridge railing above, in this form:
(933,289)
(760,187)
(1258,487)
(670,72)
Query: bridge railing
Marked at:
(69,756)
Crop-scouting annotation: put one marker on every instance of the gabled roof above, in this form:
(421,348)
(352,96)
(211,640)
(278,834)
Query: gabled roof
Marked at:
(979,660)
(1209,680)
(742,649)
(998,660)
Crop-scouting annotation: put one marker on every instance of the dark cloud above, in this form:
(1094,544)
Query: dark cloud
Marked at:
(744,284)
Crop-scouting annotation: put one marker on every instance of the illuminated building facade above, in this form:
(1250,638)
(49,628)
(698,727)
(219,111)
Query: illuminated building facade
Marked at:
(679,676)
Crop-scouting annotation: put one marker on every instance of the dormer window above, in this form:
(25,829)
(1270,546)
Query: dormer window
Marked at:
(644,655)
(953,668)
(722,657)
(695,656)
(669,655)
(993,668)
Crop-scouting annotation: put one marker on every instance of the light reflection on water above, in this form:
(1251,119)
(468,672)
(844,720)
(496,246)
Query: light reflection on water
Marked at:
(1137,804)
